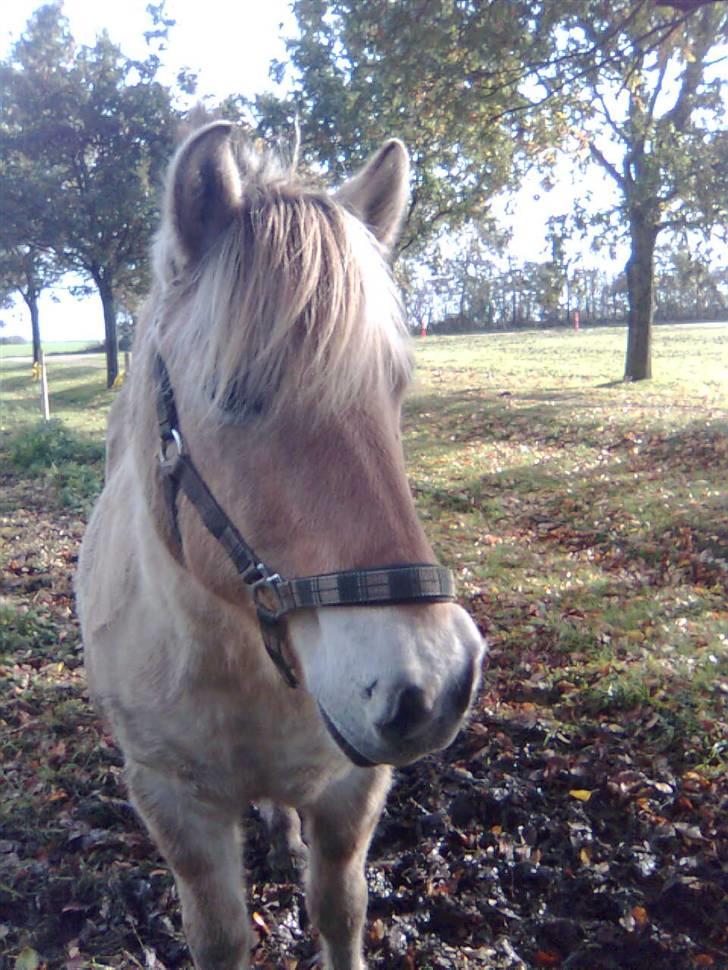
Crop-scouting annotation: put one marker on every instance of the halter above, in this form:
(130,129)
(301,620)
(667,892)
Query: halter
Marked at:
(274,597)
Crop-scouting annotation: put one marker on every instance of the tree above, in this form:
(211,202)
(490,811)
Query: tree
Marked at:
(88,131)
(481,90)
(689,285)
(647,112)
(26,267)
(441,74)
(27,271)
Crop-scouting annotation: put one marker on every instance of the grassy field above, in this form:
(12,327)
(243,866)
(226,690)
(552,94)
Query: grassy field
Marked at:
(588,517)
(585,515)
(76,391)
(587,522)
(52,347)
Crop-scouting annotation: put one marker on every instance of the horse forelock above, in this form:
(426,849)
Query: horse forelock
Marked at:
(293,304)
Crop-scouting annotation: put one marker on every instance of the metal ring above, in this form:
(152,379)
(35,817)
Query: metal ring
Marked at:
(178,442)
(267,598)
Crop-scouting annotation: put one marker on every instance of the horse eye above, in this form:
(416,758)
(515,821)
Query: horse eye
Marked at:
(238,404)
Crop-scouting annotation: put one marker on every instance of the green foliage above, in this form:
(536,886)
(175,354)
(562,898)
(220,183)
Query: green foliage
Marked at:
(35,449)
(20,627)
(85,137)
(481,92)
(442,76)
(68,463)
(77,485)
(688,287)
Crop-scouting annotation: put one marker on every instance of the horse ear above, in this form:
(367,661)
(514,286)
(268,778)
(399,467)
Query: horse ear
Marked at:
(204,189)
(378,194)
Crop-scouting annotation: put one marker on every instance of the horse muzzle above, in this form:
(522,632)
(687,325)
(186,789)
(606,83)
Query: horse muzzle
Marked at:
(406,697)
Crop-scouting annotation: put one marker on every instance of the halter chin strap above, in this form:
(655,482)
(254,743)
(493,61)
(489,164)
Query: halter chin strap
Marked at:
(274,596)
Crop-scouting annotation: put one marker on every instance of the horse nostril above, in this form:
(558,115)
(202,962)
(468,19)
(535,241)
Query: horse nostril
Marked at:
(411,711)
(463,690)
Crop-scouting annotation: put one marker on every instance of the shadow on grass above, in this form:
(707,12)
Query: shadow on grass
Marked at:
(78,391)
(668,494)
(646,509)
(88,397)
(467,416)
(601,649)
(19,379)
(551,415)
(663,504)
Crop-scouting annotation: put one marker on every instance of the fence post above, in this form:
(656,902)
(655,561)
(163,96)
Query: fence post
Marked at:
(44,388)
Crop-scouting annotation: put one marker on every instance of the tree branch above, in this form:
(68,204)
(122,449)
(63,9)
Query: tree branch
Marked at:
(607,116)
(679,115)
(598,155)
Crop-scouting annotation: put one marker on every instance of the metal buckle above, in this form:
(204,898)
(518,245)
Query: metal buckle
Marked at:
(266,595)
(176,437)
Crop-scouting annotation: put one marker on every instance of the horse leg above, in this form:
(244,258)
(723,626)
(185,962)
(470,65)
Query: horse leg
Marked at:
(339,827)
(287,849)
(201,843)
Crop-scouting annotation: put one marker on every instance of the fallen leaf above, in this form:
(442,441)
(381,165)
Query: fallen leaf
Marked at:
(547,958)
(27,959)
(640,915)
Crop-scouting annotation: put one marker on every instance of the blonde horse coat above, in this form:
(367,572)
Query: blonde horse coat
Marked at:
(276,315)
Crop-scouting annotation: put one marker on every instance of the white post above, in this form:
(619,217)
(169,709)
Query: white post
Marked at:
(44,388)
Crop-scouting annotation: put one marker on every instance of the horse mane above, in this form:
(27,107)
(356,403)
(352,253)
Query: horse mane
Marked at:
(294,303)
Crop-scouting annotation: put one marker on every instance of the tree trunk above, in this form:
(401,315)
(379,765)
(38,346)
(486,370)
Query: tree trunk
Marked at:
(106,293)
(31,298)
(640,270)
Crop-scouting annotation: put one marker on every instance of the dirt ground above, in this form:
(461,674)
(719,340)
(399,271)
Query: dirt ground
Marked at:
(523,845)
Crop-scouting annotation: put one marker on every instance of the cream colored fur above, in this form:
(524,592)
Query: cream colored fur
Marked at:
(276,314)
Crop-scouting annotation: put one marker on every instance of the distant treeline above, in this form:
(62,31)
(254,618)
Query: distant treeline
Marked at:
(453,325)
(474,295)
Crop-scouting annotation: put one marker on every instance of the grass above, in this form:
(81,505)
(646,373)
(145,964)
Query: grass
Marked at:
(585,517)
(76,390)
(62,458)
(51,347)
(585,520)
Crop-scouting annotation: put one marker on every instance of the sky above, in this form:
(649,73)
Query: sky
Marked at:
(229,46)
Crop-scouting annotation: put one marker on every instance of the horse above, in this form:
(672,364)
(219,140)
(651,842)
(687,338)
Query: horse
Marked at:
(263,617)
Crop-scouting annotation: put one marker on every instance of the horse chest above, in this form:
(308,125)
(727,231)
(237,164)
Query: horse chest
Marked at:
(230,749)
